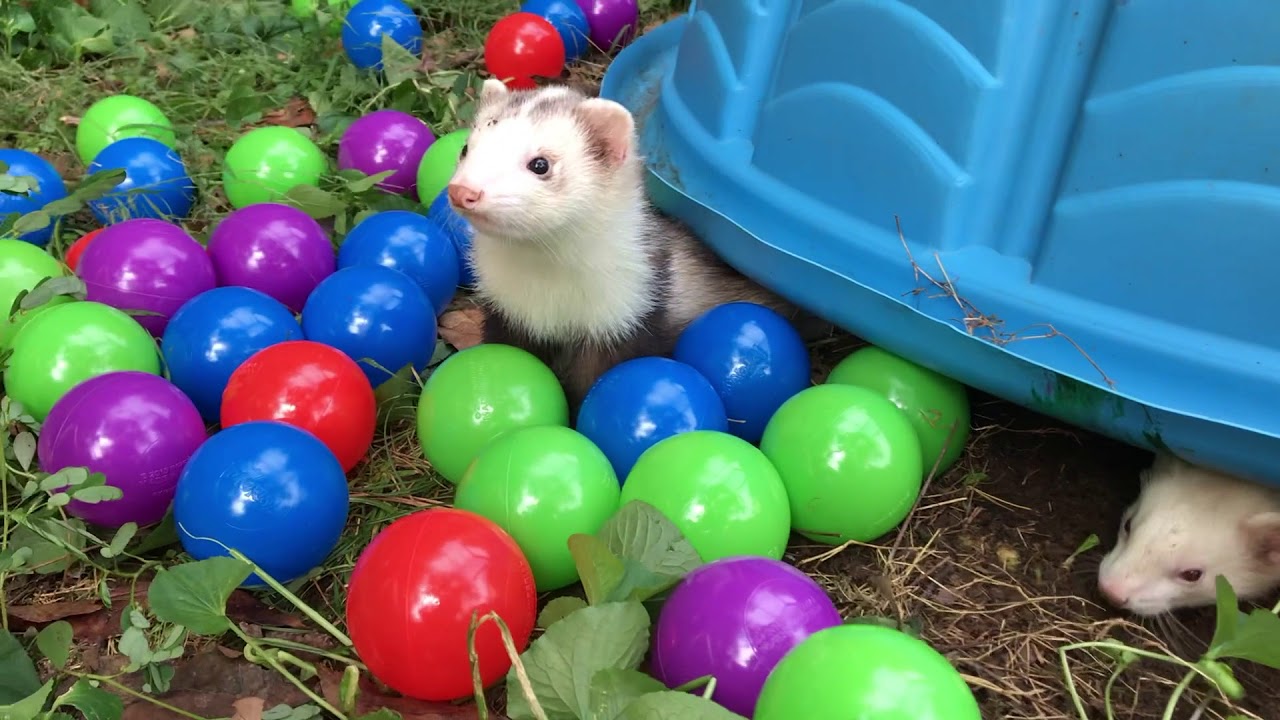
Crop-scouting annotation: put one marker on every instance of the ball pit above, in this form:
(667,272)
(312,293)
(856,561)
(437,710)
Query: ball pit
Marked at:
(377,316)
(386,140)
(149,265)
(156,184)
(640,402)
(70,343)
(214,333)
(541,485)
(269,490)
(117,117)
(569,20)
(266,162)
(459,231)
(613,23)
(274,248)
(466,565)
(408,242)
(849,459)
(72,258)
(479,393)
(522,46)
(22,267)
(438,164)
(719,490)
(23,164)
(734,619)
(310,386)
(135,428)
(366,24)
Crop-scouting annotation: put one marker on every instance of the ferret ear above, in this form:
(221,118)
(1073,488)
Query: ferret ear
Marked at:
(1163,463)
(610,127)
(491,90)
(1263,533)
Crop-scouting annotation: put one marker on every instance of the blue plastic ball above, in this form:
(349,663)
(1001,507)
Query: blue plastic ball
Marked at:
(213,333)
(754,358)
(377,316)
(569,21)
(156,183)
(369,20)
(269,490)
(25,164)
(408,242)
(639,402)
(459,231)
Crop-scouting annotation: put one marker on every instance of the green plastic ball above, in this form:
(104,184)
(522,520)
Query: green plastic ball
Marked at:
(117,117)
(479,393)
(541,485)
(849,459)
(70,343)
(718,489)
(438,164)
(265,163)
(933,402)
(865,671)
(22,266)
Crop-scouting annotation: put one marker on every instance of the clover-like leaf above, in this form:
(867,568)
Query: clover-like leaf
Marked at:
(195,594)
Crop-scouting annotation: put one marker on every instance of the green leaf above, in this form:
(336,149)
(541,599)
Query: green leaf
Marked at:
(24,449)
(18,677)
(159,678)
(95,703)
(599,569)
(367,182)
(49,288)
(98,184)
(121,539)
(49,555)
(195,594)
(66,477)
(1228,614)
(29,707)
(32,221)
(315,202)
(134,645)
(558,609)
(641,532)
(54,642)
(562,662)
(671,705)
(97,494)
(284,712)
(1256,638)
(383,714)
(612,690)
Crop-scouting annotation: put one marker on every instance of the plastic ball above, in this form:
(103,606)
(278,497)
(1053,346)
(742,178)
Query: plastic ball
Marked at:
(156,183)
(479,393)
(118,117)
(214,333)
(135,428)
(735,619)
(719,490)
(541,485)
(460,564)
(308,385)
(613,23)
(149,265)
(70,343)
(408,242)
(522,46)
(868,671)
(265,163)
(850,461)
(438,164)
(366,24)
(386,140)
(22,164)
(754,359)
(569,21)
(934,403)
(459,231)
(267,489)
(377,316)
(639,402)
(275,248)
(72,258)
(22,267)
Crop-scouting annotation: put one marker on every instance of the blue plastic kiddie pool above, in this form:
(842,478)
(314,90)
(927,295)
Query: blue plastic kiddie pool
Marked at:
(1090,190)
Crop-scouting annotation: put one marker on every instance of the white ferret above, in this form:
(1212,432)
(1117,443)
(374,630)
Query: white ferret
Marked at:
(1189,525)
(572,262)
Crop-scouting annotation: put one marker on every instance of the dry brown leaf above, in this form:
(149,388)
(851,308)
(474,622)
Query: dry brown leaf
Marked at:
(463,328)
(295,113)
(249,708)
(369,699)
(47,613)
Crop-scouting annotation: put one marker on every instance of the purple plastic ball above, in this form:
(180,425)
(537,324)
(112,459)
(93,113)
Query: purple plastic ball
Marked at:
(135,428)
(146,264)
(275,249)
(735,618)
(613,23)
(386,140)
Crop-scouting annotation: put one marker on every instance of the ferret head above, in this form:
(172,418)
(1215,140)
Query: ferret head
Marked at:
(1189,525)
(539,161)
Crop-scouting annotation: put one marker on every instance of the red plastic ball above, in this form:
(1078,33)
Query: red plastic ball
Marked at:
(412,594)
(521,46)
(76,250)
(309,385)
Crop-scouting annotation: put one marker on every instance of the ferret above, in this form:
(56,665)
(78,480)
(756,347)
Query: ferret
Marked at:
(1189,525)
(572,261)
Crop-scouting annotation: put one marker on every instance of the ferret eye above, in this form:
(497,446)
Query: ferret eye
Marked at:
(539,166)
(1190,575)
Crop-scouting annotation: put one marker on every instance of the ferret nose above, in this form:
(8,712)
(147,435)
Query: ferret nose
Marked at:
(1112,593)
(464,196)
